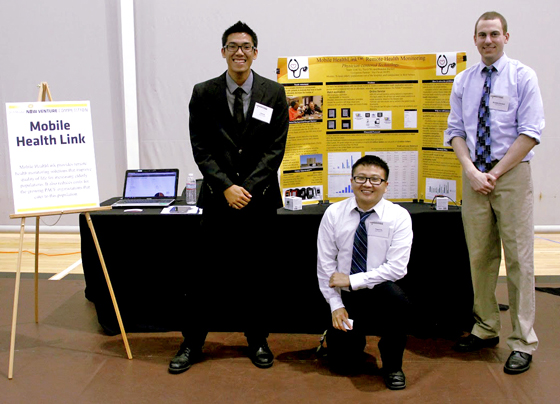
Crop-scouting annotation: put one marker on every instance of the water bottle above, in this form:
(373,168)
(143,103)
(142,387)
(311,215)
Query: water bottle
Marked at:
(191,190)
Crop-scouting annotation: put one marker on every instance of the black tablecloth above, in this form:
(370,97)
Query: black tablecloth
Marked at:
(149,256)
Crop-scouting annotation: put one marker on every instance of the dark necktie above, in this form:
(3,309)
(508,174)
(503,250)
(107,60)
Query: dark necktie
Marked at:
(238,107)
(359,251)
(483,153)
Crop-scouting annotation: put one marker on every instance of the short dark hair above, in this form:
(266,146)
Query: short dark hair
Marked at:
(492,15)
(293,104)
(239,27)
(370,160)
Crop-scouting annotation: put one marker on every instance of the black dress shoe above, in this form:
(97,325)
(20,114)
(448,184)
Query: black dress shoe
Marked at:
(261,355)
(472,343)
(518,362)
(184,359)
(395,380)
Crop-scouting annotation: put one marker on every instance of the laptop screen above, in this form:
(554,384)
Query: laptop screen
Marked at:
(151,183)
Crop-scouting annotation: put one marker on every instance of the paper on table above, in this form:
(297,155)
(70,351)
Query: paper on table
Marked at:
(180,210)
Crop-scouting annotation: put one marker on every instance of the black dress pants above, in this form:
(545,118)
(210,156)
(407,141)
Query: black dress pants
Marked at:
(383,311)
(231,284)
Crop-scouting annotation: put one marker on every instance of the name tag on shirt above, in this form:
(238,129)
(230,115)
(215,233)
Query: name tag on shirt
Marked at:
(262,112)
(378,229)
(499,102)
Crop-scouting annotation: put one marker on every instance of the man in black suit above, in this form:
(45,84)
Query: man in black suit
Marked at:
(238,128)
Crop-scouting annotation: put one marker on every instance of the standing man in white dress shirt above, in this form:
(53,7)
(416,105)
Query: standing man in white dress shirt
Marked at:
(358,275)
(497,186)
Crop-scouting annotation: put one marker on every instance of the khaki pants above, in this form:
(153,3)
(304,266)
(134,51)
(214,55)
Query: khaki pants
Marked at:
(504,216)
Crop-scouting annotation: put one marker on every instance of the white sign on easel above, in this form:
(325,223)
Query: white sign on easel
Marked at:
(52,156)
(53,173)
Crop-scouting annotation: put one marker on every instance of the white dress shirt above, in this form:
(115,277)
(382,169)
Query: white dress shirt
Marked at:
(513,81)
(389,231)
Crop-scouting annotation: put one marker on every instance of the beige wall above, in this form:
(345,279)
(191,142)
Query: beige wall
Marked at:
(75,46)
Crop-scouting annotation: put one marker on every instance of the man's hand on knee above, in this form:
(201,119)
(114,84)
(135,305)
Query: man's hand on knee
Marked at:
(339,318)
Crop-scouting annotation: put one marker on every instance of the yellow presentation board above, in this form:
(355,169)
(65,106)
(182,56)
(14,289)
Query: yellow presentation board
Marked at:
(393,106)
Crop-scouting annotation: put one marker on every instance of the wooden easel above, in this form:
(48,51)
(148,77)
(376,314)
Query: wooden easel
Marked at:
(43,92)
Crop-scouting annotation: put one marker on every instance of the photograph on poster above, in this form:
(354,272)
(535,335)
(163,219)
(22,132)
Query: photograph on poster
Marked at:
(305,108)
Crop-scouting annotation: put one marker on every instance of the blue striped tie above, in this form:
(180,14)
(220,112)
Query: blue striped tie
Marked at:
(483,153)
(359,251)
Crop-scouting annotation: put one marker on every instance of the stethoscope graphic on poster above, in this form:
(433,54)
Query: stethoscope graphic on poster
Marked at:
(298,68)
(445,65)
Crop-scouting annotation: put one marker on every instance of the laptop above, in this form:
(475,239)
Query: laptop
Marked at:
(149,188)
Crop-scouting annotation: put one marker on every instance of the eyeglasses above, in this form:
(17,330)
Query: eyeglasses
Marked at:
(373,180)
(233,47)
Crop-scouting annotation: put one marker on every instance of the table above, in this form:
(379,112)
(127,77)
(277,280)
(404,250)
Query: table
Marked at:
(149,256)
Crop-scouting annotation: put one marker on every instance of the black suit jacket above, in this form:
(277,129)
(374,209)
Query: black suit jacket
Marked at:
(250,158)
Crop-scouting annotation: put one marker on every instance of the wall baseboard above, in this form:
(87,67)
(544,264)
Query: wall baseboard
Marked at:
(44,229)
(76,229)
(552,228)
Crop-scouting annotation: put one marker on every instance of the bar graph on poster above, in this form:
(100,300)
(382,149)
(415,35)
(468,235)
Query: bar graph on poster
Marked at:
(339,186)
(437,187)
